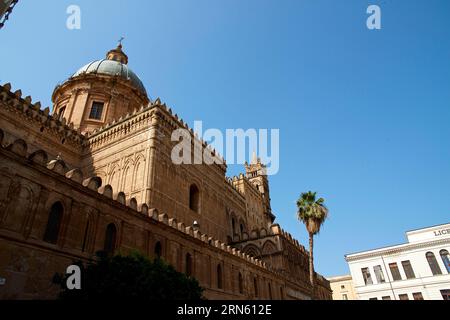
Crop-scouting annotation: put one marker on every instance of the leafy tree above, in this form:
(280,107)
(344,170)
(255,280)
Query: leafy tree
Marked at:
(131,277)
(313,214)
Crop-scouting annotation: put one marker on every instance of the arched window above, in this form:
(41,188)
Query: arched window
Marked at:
(158,250)
(233,226)
(219,277)
(242,229)
(194,198)
(54,223)
(435,269)
(241,284)
(281,293)
(445,259)
(255,285)
(110,239)
(188,264)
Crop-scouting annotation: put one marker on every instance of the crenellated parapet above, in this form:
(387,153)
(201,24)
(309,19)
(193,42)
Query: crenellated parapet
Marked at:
(233,187)
(24,109)
(173,121)
(241,178)
(274,230)
(278,231)
(117,129)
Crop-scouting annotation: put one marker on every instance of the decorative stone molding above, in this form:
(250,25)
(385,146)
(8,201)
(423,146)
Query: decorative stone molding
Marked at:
(107,191)
(19,147)
(39,157)
(75,175)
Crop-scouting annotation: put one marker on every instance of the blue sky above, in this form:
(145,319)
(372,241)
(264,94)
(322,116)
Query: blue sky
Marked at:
(363,115)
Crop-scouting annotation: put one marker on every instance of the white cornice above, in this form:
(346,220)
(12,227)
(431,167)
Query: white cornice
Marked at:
(395,249)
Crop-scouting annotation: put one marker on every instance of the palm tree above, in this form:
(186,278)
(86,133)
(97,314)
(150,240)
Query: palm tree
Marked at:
(313,214)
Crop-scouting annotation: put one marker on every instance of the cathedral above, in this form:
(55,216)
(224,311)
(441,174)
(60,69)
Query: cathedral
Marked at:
(95,174)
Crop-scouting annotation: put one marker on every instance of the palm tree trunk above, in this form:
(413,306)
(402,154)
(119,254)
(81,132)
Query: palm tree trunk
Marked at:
(311,264)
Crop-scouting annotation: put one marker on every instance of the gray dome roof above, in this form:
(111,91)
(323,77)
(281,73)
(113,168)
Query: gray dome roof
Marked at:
(112,68)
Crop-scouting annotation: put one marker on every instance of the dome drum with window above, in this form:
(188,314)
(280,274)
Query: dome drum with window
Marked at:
(99,93)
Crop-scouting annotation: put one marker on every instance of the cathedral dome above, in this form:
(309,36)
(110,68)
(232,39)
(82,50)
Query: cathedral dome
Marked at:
(99,93)
(115,64)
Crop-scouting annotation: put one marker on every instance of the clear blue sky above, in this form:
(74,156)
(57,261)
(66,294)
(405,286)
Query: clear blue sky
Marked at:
(363,115)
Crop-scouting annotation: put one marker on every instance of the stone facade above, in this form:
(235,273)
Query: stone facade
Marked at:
(111,185)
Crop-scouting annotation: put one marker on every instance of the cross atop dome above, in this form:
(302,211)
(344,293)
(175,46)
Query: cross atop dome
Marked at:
(117,54)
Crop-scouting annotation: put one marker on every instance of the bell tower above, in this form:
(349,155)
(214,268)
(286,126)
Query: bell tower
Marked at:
(256,173)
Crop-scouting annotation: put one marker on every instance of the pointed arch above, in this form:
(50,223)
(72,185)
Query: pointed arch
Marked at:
(21,201)
(114,175)
(110,239)
(54,222)
(194,198)
(252,250)
(268,248)
(139,172)
(127,177)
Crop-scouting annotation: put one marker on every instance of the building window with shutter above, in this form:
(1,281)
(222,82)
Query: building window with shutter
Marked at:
(395,271)
(407,267)
(379,274)
(445,259)
(366,275)
(445,294)
(417,296)
(432,262)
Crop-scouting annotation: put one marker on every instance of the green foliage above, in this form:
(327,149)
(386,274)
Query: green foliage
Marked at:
(132,277)
(312,212)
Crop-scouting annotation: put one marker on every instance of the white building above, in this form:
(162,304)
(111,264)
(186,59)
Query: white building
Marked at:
(419,269)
